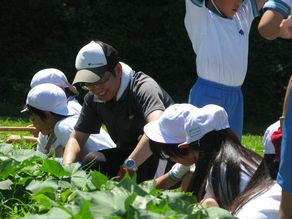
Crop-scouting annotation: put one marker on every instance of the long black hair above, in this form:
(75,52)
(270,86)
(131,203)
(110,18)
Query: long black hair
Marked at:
(215,148)
(261,181)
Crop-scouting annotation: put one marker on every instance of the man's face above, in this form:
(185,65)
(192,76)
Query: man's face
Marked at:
(106,89)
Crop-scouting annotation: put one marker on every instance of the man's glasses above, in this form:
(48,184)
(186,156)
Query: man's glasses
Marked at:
(101,82)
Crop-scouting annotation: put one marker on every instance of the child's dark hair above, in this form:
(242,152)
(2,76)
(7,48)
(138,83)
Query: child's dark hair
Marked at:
(164,150)
(41,113)
(259,183)
(216,149)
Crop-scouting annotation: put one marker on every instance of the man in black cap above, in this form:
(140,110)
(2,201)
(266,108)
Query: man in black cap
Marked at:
(124,101)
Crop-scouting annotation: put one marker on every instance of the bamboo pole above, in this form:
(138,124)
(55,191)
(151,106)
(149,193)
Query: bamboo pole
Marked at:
(16,129)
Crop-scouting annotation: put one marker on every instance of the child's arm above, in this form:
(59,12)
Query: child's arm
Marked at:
(209,202)
(269,25)
(276,22)
(164,182)
(18,139)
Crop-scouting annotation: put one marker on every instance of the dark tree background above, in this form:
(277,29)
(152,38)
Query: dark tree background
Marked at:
(149,35)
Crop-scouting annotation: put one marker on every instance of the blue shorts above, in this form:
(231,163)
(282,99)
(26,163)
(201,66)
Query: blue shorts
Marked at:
(230,98)
(285,170)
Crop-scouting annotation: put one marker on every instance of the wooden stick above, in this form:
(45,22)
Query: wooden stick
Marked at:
(12,129)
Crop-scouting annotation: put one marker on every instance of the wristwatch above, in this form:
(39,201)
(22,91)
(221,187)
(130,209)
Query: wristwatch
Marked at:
(130,164)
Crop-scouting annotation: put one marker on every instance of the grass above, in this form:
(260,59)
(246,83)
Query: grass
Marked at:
(252,140)
(13,122)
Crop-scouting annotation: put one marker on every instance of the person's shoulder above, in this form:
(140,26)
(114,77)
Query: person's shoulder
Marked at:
(66,124)
(142,79)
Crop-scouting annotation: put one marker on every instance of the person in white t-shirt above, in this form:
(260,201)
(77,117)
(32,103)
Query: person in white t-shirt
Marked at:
(51,115)
(56,77)
(219,33)
(260,199)
(272,144)
(189,135)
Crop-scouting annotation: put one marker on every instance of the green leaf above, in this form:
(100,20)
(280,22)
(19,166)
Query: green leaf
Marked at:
(131,186)
(54,213)
(22,155)
(98,179)
(84,211)
(44,202)
(219,213)
(5,149)
(103,203)
(5,185)
(47,187)
(55,168)
(7,167)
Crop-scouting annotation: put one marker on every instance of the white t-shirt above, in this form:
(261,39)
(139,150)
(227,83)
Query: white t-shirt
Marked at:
(42,140)
(268,145)
(95,142)
(222,52)
(265,206)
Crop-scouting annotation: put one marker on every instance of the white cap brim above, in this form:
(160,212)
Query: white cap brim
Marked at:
(154,131)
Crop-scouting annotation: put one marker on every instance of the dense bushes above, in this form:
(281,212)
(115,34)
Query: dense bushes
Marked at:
(149,35)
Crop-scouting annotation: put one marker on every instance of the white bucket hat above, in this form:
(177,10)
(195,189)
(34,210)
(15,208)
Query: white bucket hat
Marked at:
(206,119)
(169,128)
(52,76)
(50,98)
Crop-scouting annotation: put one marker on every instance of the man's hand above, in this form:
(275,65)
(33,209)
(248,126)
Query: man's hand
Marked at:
(122,172)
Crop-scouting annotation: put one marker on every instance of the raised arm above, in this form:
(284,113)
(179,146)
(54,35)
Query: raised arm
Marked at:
(276,22)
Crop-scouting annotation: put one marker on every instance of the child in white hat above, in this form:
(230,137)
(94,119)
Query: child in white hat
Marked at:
(201,136)
(58,78)
(51,115)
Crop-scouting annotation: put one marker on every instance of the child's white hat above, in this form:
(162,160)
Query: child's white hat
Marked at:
(169,128)
(52,76)
(206,119)
(50,98)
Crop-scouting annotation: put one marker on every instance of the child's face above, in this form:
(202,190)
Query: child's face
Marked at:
(187,160)
(44,126)
(228,7)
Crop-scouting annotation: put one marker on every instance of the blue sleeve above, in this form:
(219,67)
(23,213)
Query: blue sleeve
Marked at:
(279,6)
(285,171)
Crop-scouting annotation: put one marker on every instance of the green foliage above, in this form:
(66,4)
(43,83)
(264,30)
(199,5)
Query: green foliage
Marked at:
(39,187)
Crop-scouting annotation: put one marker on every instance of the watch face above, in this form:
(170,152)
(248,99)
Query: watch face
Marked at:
(130,163)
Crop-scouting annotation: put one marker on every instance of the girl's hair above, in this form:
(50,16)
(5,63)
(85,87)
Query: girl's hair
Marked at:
(259,183)
(41,113)
(215,148)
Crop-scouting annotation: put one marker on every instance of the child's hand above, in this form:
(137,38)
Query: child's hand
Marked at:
(286,28)
(13,138)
